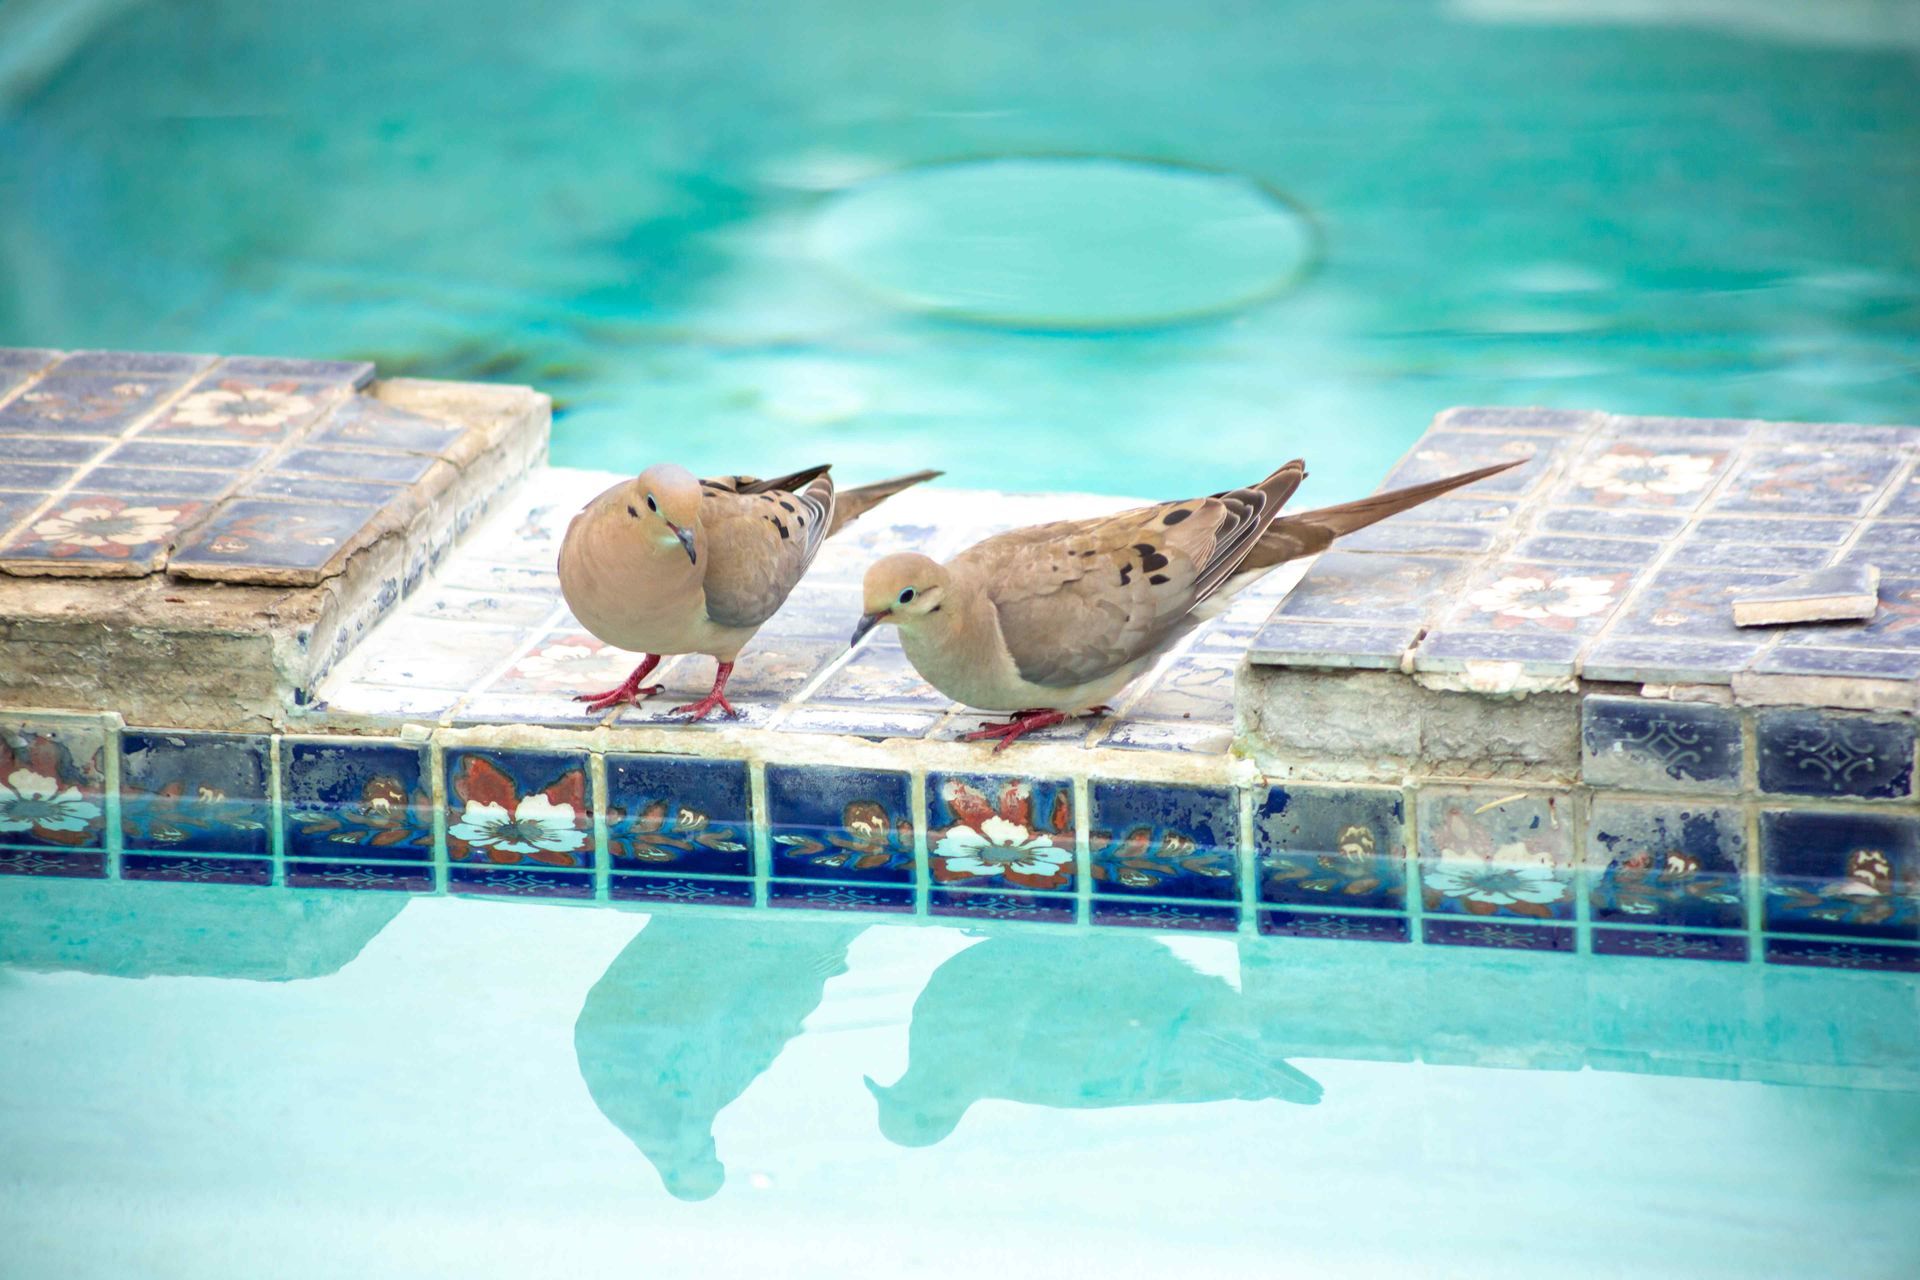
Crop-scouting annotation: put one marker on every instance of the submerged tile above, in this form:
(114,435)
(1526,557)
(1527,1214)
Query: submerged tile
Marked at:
(65,863)
(203,793)
(1210,917)
(717,891)
(996,831)
(517,809)
(834,823)
(683,814)
(52,779)
(1502,935)
(1666,862)
(1332,846)
(1817,753)
(356,798)
(517,881)
(1342,926)
(817,895)
(1002,905)
(1649,744)
(192,868)
(1486,851)
(1841,872)
(1670,944)
(393,877)
(1163,840)
(1842,955)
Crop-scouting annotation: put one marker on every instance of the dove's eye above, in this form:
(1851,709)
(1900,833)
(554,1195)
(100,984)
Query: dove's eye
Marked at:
(652,505)
(906,597)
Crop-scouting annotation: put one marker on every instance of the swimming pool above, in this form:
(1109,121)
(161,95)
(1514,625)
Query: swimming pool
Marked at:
(690,221)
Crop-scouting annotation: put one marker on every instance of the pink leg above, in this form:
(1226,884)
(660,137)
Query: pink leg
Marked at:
(630,689)
(1010,730)
(716,699)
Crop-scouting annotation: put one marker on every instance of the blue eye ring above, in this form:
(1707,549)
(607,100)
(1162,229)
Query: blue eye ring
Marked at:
(906,597)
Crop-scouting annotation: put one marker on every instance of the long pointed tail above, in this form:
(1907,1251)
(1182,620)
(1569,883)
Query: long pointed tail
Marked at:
(853,503)
(1291,537)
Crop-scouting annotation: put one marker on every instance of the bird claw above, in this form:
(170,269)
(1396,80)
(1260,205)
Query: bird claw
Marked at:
(1009,731)
(696,711)
(615,697)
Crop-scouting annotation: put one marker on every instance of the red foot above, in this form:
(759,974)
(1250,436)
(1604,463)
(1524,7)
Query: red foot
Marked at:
(1010,730)
(630,690)
(717,699)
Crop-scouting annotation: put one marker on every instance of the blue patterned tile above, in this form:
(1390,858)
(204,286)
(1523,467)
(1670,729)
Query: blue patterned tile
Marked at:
(357,464)
(366,422)
(1874,664)
(1775,530)
(1669,944)
(56,449)
(1841,872)
(1682,428)
(1335,925)
(1503,418)
(86,404)
(360,493)
(1695,605)
(1904,502)
(1450,649)
(1417,537)
(1697,553)
(1488,852)
(194,868)
(1807,480)
(1643,474)
(716,891)
(144,481)
(1150,735)
(15,507)
(1348,586)
(1817,753)
(246,408)
(1207,917)
(517,881)
(169,364)
(1326,644)
(683,814)
(358,799)
(1163,840)
(34,477)
(1634,660)
(1332,846)
(1439,454)
(26,360)
(1612,524)
(82,865)
(52,776)
(1843,955)
(1028,907)
(346,373)
(1503,935)
(199,793)
(833,823)
(1197,688)
(520,809)
(1572,549)
(1831,434)
(1666,862)
(251,533)
(819,895)
(1002,833)
(879,676)
(1653,745)
(876,723)
(392,877)
(109,535)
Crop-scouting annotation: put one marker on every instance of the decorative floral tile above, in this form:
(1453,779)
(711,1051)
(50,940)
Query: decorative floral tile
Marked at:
(1444,453)
(1332,645)
(1816,753)
(683,814)
(1690,604)
(1669,944)
(817,895)
(1370,588)
(110,534)
(988,831)
(357,799)
(52,775)
(1040,908)
(521,809)
(1209,917)
(1666,863)
(227,406)
(82,865)
(1808,480)
(364,421)
(1512,596)
(1197,688)
(684,890)
(1843,955)
(199,793)
(1650,744)
(85,404)
(1662,475)
(275,535)
(522,881)
(1499,934)
(1843,872)
(193,868)
(1338,926)
(364,465)
(1164,840)
(394,877)
(1487,852)
(833,823)
(1332,846)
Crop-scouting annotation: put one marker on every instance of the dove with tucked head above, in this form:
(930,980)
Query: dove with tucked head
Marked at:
(1053,620)
(666,563)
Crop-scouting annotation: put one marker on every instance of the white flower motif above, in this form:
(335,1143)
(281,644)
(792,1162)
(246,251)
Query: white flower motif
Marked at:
(536,823)
(31,800)
(1633,475)
(101,526)
(1541,595)
(999,847)
(1500,880)
(241,405)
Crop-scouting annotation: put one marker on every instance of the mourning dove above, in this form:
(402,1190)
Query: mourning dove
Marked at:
(1052,620)
(665,564)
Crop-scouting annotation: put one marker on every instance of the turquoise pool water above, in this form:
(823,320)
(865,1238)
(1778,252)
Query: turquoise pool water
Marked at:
(703,227)
(207,1081)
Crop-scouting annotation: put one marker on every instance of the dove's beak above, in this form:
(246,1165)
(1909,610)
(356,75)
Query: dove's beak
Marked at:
(686,540)
(868,622)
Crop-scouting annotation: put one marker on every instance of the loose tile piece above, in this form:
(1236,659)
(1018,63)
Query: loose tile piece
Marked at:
(1849,593)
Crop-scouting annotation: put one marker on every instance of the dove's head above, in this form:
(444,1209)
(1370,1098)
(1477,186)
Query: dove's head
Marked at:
(664,501)
(901,589)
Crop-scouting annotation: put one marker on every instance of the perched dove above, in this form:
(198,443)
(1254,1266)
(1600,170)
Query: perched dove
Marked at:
(1053,620)
(665,564)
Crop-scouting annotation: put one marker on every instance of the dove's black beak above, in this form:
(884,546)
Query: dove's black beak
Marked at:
(686,540)
(868,622)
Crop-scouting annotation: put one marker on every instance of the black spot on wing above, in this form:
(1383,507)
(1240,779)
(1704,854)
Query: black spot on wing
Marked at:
(1159,579)
(1126,574)
(1175,516)
(1149,558)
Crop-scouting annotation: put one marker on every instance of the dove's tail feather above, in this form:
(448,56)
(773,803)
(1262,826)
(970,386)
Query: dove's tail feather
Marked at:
(850,504)
(1291,537)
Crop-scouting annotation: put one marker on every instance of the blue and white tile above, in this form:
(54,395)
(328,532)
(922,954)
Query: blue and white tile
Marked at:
(1187,738)
(1368,587)
(52,784)
(195,868)
(1013,835)
(510,810)
(1332,645)
(85,404)
(679,815)
(836,823)
(1504,935)
(1665,862)
(1032,908)
(827,895)
(1648,744)
(1670,944)
(1841,872)
(360,799)
(363,465)
(390,877)
(1163,840)
(1443,453)
(1843,955)
(364,422)
(1644,474)
(194,793)
(679,890)
(1332,846)
(1807,480)
(1212,917)
(1807,752)
(1337,926)
(1488,851)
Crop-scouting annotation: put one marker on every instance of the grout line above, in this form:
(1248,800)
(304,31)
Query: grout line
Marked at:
(1082,850)
(276,811)
(922,864)
(437,789)
(597,803)
(1247,862)
(760,824)
(113,835)
(1416,902)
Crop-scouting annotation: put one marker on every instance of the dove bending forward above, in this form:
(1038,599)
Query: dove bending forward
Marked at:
(665,564)
(1053,620)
